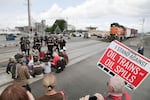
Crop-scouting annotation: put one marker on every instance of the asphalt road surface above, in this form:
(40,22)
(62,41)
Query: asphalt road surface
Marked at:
(82,77)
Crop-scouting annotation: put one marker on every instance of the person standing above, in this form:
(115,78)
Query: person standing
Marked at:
(56,44)
(10,65)
(21,73)
(22,44)
(62,42)
(49,83)
(140,48)
(115,87)
(38,44)
(27,45)
(16,92)
(50,45)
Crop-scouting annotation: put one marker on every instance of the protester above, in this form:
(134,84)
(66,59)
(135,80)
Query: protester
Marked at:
(22,44)
(115,88)
(96,96)
(55,59)
(63,53)
(55,62)
(49,83)
(10,65)
(50,45)
(21,73)
(42,54)
(37,69)
(140,48)
(46,65)
(115,91)
(62,42)
(56,44)
(35,54)
(27,45)
(38,44)
(25,58)
(30,64)
(16,92)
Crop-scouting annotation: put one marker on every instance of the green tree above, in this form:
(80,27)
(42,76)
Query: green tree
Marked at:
(61,23)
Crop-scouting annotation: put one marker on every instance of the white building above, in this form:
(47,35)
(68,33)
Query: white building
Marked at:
(9,31)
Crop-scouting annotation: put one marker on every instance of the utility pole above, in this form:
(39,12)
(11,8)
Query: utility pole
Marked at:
(143,25)
(29,17)
(142,34)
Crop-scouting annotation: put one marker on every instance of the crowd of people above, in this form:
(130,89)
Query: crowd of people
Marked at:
(29,63)
(36,61)
(115,91)
(34,53)
(53,43)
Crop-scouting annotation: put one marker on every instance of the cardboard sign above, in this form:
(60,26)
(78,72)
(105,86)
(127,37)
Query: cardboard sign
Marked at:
(120,60)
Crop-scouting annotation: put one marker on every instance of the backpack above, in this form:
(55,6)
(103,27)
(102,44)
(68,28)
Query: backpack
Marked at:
(13,71)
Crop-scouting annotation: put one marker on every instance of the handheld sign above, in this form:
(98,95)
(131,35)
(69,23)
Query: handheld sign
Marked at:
(120,60)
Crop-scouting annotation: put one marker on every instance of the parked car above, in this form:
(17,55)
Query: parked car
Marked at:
(10,37)
(77,34)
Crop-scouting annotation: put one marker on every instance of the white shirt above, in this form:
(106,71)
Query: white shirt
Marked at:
(47,68)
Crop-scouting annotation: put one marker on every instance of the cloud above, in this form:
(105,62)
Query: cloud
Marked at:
(95,8)
(99,13)
(53,12)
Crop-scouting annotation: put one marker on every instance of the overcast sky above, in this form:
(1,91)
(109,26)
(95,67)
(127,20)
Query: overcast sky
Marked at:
(80,13)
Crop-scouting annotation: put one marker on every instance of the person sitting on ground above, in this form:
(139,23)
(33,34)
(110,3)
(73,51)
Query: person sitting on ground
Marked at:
(63,54)
(97,96)
(35,54)
(115,88)
(55,59)
(37,69)
(58,63)
(49,83)
(46,65)
(25,58)
(16,92)
(42,54)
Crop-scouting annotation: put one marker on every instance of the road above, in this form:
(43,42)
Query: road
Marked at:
(82,76)
(85,78)
(88,49)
